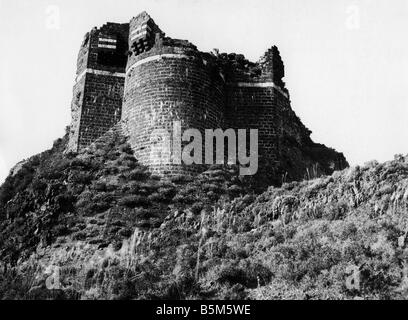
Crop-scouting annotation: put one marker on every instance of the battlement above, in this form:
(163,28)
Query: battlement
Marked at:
(104,49)
(135,74)
(143,34)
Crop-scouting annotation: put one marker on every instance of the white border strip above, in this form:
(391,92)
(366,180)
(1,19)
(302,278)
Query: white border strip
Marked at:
(109,46)
(107,40)
(100,73)
(259,85)
(157,57)
(138,35)
(140,28)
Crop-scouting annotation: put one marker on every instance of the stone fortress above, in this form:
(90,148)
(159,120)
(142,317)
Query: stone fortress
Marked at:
(133,78)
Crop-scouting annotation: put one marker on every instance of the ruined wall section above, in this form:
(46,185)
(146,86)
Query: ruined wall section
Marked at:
(258,99)
(98,91)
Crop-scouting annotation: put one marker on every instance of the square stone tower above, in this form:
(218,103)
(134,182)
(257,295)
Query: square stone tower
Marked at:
(98,90)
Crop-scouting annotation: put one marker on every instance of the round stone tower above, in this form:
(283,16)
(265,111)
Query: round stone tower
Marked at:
(170,87)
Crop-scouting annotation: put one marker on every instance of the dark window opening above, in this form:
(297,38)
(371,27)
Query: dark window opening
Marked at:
(112,59)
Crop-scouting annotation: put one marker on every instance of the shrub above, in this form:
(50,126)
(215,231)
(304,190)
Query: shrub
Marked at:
(38,186)
(197,207)
(157,197)
(99,186)
(181,179)
(335,211)
(139,173)
(250,277)
(125,148)
(132,201)
(167,192)
(81,177)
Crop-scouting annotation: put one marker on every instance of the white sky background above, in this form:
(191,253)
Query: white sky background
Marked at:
(346,63)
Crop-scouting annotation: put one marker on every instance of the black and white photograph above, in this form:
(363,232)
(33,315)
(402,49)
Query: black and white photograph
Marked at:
(204,157)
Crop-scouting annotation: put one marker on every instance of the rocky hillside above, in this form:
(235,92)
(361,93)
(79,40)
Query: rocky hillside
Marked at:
(97,225)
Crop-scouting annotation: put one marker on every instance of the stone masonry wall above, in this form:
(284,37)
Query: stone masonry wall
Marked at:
(255,108)
(101,108)
(175,86)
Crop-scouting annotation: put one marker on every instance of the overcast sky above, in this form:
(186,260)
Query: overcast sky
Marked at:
(346,63)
